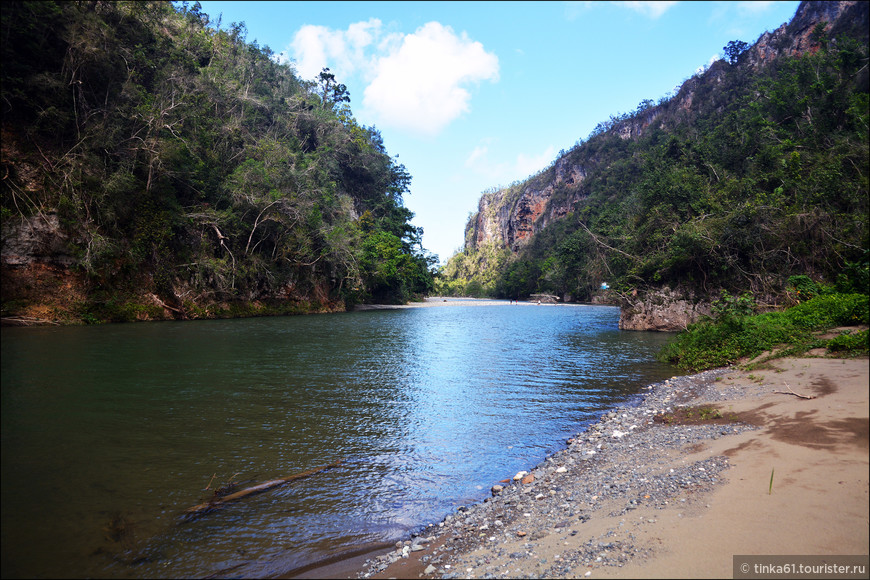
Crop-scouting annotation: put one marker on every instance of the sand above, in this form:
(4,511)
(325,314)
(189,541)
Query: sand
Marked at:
(816,448)
(809,419)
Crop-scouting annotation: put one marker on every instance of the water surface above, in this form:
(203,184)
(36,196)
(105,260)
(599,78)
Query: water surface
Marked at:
(110,432)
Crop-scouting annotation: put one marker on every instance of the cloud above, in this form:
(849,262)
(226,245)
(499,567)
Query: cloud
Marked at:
(478,153)
(753,7)
(343,51)
(529,164)
(575,8)
(417,82)
(420,84)
(701,69)
(652,8)
(506,172)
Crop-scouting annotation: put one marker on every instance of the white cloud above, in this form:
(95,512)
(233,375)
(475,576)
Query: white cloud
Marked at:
(528,164)
(503,173)
(343,51)
(710,62)
(414,81)
(575,8)
(420,84)
(753,7)
(652,8)
(478,153)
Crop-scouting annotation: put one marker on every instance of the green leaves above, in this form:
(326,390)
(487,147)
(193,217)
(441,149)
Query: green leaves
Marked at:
(750,175)
(190,162)
(735,334)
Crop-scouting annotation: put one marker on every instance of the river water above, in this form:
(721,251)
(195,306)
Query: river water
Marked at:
(110,432)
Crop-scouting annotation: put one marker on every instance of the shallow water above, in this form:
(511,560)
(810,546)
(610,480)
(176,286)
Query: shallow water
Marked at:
(110,432)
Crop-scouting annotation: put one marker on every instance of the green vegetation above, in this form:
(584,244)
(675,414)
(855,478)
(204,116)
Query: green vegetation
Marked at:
(732,336)
(752,173)
(182,160)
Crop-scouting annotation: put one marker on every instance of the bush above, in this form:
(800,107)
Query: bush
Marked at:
(716,343)
(849,343)
(829,311)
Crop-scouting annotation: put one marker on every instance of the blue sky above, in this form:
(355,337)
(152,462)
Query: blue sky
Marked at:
(476,95)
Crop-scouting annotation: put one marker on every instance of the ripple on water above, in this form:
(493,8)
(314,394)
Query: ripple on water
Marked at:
(429,406)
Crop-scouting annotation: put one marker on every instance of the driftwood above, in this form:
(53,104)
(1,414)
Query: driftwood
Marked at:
(219,502)
(790,392)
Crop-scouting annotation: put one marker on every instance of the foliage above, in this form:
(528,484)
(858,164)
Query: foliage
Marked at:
(734,49)
(853,343)
(751,174)
(714,343)
(733,306)
(186,161)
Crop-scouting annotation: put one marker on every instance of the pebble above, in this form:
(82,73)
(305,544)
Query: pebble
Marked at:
(611,479)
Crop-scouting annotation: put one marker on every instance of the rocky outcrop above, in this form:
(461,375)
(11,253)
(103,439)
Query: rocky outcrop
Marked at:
(511,216)
(37,239)
(663,309)
(796,37)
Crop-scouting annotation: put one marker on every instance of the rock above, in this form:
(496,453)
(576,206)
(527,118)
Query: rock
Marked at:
(561,469)
(662,309)
(497,489)
(520,475)
(529,478)
(430,569)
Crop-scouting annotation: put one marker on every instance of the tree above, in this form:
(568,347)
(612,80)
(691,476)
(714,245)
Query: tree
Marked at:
(332,92)
(734,49)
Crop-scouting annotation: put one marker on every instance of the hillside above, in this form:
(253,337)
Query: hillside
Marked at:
(157,164)
(755,171)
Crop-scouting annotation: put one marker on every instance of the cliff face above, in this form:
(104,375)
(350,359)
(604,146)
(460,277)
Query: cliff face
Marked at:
(510,217)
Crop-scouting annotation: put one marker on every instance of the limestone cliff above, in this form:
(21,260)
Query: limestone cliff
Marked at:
(512,217)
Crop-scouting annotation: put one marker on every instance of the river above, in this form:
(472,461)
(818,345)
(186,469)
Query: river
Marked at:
(110,432)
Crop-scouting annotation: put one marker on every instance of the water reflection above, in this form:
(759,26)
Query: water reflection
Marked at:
(122,427)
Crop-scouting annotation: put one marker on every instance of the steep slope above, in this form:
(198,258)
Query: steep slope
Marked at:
(156,164)
(756,170)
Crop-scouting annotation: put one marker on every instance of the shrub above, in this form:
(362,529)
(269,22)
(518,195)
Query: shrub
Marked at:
(829,311)
(851,343)
(716,343)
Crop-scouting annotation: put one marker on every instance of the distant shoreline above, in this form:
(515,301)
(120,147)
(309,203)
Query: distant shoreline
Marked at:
(433,301)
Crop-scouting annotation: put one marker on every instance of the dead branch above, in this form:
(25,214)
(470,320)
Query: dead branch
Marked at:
(219,502)
(256,223)
(599,242)
(163,304)
(790,392)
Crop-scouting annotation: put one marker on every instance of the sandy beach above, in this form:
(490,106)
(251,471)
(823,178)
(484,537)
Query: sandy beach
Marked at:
(651,493)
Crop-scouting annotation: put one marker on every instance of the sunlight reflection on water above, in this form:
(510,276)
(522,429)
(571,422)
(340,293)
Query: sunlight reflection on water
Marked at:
(430,406)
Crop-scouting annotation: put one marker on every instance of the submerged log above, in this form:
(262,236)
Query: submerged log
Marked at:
(219,502)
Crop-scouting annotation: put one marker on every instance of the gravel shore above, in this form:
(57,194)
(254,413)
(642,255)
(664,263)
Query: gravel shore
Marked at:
(621,491)
(618,465)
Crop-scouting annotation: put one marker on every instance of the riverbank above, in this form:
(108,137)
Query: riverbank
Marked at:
(431,301)
(652,491)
